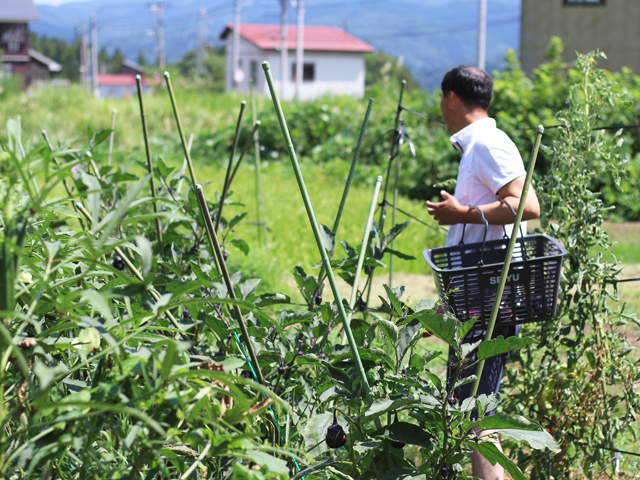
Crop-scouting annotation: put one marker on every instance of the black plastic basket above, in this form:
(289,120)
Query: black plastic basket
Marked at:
(467,278)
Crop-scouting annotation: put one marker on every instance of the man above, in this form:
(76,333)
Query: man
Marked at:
(490,169)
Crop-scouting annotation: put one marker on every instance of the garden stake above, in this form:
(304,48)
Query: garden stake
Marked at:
(352,169)
(227,280)
(132,268)
(383,211)
(396,181)
(149,164)
(273,414)
(113,131)
(187,154)
(260,210)
(365,241)
(509,254)
(316,233)
(184,165)
(233,153)
(206,218)
(244,151)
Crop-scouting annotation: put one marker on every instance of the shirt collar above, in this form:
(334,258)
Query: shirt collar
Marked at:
(464,136)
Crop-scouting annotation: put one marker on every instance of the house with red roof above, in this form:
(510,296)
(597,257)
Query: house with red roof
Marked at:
(16,55)
(333,60)
(118,85)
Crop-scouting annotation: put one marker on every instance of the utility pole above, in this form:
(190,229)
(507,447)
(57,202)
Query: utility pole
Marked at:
(300,51)
(235,53)
(157,9)
(202,42)
(84,58)
(94,57)
(482,35)
(283,49)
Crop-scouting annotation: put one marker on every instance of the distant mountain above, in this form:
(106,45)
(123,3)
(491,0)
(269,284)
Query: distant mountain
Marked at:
(432,36)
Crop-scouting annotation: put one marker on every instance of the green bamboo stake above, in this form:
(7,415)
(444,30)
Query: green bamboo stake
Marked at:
(509,254)
(227,280)
(149,164)
(260,210)
(352,169)
(316,233)
(249,141)
(345,192)
(233,153)
(365,240)
(383,211)
(113,131)
(187,155)
(396,183)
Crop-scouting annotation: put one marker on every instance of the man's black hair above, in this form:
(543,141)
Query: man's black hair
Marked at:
(472,85)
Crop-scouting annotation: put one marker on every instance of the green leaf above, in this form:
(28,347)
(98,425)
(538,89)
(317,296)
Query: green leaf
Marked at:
(405,432)
(110,221)
(99,137)
(394,295)
(328,237)
(164,170)
(430,304)
(45,374)
(389,328)
(500,345)
(394,232)
(537,439)
(339,376)
(409,335)
(240,245)
(93,197)
(398,254)
(489,451)
(235,220)
(60,209)
(295,317)
(466,328)
(98,302)
(146,254)
(271,299)
(404,474)
(248,287)
(364,447)
(383,405)
(503,420)
(444,326)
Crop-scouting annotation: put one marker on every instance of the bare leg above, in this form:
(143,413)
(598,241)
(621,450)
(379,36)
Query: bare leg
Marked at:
(482,468)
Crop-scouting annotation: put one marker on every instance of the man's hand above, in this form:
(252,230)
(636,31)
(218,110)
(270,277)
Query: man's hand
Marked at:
(448,212)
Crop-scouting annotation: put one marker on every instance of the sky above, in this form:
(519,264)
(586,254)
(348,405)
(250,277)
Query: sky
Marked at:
(54,2)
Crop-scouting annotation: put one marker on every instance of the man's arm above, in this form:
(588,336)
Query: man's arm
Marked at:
(451,212)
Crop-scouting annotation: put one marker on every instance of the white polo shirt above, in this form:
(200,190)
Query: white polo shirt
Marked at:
(490,160)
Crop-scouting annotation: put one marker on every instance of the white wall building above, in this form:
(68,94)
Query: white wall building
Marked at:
(333,60)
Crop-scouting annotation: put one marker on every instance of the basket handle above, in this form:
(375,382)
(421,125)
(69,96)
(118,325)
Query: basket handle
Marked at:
(484,237)
(525,256)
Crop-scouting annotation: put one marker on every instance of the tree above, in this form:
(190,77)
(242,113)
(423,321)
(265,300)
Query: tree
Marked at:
(384,68)
(214,64)
(59,50)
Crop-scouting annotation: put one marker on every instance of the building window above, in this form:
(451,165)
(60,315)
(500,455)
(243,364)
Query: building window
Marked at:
(308,72)
(585,2)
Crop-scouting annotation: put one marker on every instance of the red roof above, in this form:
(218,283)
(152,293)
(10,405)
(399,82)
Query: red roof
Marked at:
(332,39)
(118,79)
